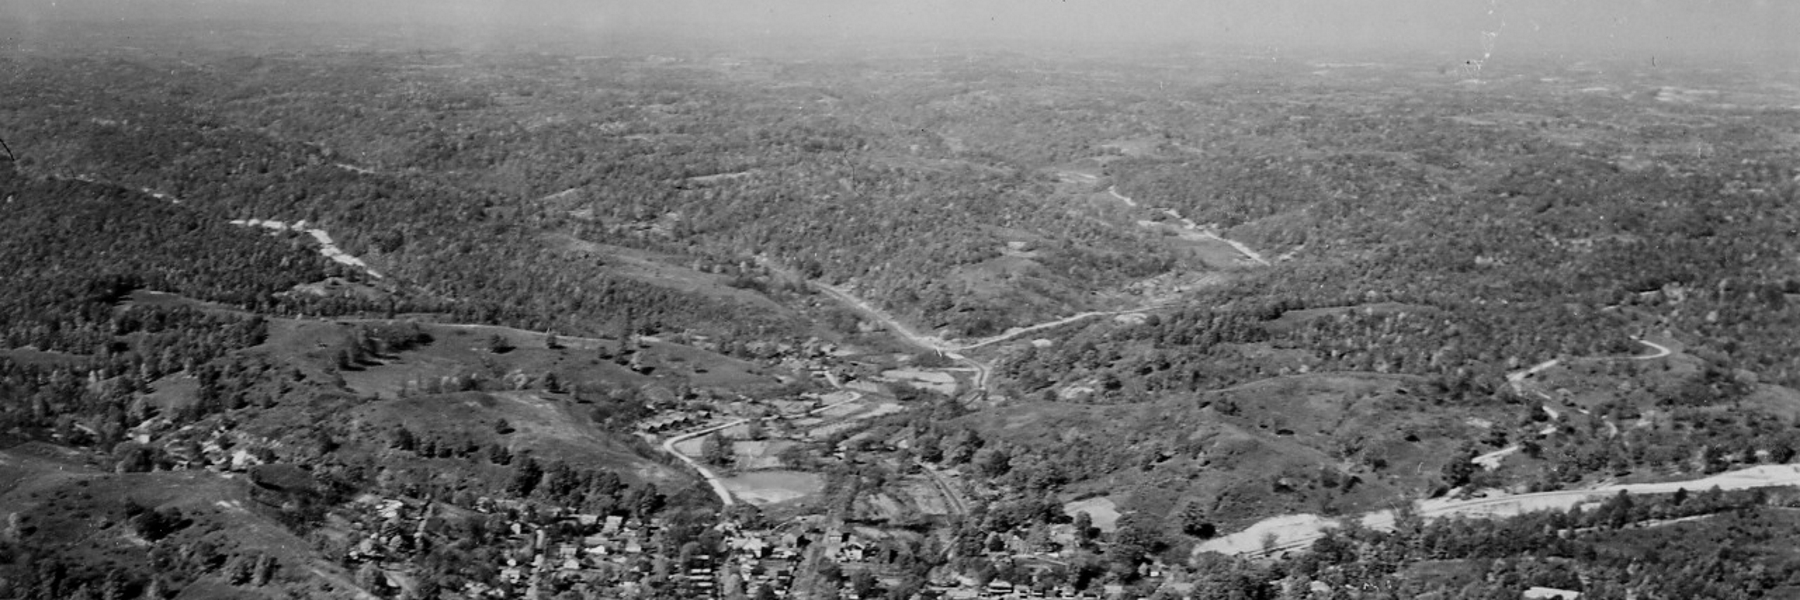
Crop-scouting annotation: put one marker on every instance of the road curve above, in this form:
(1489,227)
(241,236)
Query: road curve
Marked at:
(1660,352)
(712,479)
(1517,378)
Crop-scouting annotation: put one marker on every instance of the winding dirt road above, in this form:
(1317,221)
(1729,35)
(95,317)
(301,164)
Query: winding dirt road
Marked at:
(1517,378)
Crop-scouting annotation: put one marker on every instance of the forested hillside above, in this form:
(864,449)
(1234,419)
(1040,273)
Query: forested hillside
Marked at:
(412,321)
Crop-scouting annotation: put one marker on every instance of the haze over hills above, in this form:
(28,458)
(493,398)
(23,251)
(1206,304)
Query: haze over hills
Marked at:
(923,300)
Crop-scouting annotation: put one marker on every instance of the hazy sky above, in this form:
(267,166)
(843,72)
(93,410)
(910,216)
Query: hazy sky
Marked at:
(1764,28)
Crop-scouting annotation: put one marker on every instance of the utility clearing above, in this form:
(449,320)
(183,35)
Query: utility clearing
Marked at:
(327,246)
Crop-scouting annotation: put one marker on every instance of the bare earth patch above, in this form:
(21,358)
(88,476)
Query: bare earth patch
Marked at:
(763,488)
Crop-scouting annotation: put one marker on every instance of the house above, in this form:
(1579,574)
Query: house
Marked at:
(390,509)
(1546,593)
(613,523)
(852,551)
(752,546)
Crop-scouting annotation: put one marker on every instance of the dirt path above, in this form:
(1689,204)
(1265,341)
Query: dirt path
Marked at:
(1517,379)
(1660,352)
(951,498)
(1204,232)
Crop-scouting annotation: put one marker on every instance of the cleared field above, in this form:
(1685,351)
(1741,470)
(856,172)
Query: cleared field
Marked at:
(765,454)
(1102,509)
(552,429)
(763,488)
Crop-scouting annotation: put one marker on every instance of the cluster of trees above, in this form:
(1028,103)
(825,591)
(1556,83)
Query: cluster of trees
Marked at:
(595,489)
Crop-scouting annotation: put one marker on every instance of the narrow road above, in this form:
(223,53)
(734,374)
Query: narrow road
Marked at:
(1517,378)
(1114,190)
(712,479)
(1660,352)
(954,501)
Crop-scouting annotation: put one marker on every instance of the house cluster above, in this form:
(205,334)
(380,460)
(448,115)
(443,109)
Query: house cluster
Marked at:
(765,558)
(999,589)
(603,551)
(387,529)
(216,449)
(671,421)
(964,588)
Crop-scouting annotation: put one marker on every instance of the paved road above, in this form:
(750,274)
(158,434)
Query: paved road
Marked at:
(712,479)
(1299,531)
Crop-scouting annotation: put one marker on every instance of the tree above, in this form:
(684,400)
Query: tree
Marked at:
(526,477)
(499,344)
(1084,525)
(1461,466)
(862,584)
(1195,521)
(1137,538)
(993,461)
(715,452)
(403,439)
